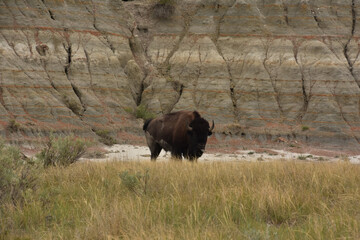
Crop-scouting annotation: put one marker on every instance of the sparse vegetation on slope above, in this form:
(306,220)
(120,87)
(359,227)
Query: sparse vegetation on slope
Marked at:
(124,200)
(13,126)
(105,137)
(141,112)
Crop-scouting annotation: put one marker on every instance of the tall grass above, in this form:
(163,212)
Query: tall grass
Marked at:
(124,200)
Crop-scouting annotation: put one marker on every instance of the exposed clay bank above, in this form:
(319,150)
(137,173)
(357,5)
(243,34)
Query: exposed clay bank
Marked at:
(281,69)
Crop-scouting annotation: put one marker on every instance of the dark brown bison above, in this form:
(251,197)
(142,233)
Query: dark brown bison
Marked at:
(183,133)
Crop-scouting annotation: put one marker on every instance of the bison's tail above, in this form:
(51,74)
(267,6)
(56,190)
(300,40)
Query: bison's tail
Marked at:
(146,124)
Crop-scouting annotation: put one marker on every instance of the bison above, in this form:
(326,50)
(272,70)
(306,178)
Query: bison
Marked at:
(183,133)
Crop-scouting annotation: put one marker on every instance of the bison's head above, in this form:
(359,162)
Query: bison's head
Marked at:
(198,132)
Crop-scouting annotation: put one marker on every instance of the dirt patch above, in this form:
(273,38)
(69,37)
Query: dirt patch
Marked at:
(142,153)
(223,148)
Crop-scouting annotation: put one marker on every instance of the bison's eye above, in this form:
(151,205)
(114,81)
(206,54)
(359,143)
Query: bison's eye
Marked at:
(209,134)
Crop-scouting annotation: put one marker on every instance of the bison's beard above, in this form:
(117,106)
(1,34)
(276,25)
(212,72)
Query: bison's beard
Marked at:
(194,153)
(199,153)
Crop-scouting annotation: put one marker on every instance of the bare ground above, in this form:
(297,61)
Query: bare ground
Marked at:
(127,152)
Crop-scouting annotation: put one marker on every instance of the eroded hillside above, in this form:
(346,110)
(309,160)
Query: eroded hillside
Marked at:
(260,69)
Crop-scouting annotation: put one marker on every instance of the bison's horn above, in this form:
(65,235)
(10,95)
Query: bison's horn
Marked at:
(212,126)
(189,128)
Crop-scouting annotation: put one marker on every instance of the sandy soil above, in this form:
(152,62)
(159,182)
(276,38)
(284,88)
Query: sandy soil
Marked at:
(126,152)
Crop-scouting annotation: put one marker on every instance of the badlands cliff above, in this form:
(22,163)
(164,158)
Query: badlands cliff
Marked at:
(260,68)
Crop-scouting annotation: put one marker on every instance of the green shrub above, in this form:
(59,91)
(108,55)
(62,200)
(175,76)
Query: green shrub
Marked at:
(63,151)
(135,182)
(304,128)
(13,125)
(17,174)
(129,110)
(105,137)
(140,112)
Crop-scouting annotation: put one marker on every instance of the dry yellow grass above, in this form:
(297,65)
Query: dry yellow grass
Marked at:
(115,200)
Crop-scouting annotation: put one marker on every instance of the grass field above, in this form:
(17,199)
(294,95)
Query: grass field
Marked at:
(181,200)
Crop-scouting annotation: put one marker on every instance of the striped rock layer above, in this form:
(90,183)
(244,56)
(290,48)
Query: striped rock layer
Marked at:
(264,68)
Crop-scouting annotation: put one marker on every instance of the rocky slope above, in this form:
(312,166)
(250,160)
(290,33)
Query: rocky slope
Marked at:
(260,69)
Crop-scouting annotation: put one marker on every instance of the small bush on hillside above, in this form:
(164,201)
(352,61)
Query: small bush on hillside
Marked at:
(129,110)
(163,9)
(304,128)
(13,125)
(141,112)
(63,151)
(105,137)
(17,174)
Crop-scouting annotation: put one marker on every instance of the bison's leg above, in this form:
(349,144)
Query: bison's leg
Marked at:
(191,157)
(155,151)
(176,155)
(155,148)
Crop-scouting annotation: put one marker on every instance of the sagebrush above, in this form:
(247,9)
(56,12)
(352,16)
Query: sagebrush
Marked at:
(17,174)
(135,182)
(63,151)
